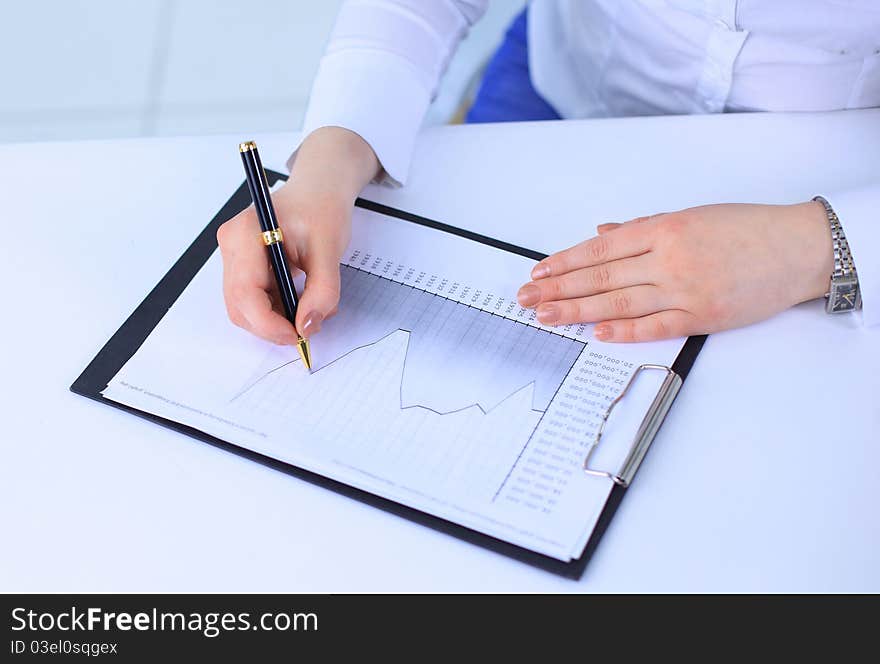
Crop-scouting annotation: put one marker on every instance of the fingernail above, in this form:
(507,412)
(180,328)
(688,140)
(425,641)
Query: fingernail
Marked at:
(312,323)
(540,271)
(548,314)
(603,332)
(528,295)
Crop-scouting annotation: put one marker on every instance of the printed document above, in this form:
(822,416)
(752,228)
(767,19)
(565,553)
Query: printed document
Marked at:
(431,387)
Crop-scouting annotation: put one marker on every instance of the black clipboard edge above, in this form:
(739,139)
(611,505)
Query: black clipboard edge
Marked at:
(140,324)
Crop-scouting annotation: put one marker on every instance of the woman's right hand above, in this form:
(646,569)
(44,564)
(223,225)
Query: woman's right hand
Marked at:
(314,211)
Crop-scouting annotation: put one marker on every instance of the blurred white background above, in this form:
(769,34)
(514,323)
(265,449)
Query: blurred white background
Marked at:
(78,69)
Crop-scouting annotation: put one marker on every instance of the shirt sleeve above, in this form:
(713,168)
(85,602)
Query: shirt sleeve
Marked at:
(381,69)
(859,214)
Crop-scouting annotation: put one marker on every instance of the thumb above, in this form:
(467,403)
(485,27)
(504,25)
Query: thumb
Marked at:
(320,295)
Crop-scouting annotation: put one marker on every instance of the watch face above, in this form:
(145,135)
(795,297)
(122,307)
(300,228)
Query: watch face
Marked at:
(843,296)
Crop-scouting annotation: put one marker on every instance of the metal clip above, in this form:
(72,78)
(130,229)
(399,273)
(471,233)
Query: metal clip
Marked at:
(647,430)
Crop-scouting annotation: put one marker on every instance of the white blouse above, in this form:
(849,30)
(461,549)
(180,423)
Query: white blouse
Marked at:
(599,58)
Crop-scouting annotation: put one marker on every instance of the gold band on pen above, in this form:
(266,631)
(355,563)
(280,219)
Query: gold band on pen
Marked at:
(272,237)
(247,146)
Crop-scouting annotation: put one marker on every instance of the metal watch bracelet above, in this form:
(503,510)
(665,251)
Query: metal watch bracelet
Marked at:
(843,294)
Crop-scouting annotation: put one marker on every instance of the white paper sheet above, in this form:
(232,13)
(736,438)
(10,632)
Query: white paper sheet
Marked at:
(431,387)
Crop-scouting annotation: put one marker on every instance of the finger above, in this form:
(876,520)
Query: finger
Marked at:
(610,226)
(588,281)
(248,282)
(665,324)
(255,314)
(623,242)
(320,296)
(624,303)
(645,219)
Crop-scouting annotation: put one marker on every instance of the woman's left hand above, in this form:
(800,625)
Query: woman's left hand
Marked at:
(697,271)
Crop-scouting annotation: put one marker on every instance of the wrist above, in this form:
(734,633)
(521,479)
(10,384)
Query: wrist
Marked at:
(335,161)
(815,248)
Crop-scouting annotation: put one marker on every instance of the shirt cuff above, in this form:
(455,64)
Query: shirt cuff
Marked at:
(859,214)
(377,95)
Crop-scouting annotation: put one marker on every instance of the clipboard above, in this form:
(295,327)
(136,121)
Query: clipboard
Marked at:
(140,324)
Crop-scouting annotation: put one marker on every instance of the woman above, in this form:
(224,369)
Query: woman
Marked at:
(694,271)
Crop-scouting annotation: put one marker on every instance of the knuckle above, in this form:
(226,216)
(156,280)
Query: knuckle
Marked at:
(625,330)
(597,248)
(583,311)
(673,225)
(621,303)
(572,312)
(600,277)
(227,230)
(551,289)
(564,312)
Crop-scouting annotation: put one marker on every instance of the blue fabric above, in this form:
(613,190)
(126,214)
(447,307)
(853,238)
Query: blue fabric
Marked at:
(506,93)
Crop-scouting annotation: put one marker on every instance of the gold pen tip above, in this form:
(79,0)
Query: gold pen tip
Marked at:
(305,352)
(247,146)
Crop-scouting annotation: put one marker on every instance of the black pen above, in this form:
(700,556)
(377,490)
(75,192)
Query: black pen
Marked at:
(273,239)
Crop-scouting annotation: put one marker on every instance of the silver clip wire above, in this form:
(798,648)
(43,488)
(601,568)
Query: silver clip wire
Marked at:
(647,429)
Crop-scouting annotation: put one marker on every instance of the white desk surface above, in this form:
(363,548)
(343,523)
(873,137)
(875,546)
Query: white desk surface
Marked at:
(763,478)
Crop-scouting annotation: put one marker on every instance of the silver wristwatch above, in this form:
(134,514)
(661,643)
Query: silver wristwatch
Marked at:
(843,295)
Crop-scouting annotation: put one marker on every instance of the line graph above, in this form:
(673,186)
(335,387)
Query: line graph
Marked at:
(413,387)
(457,356)
(296,361)
(352,412)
